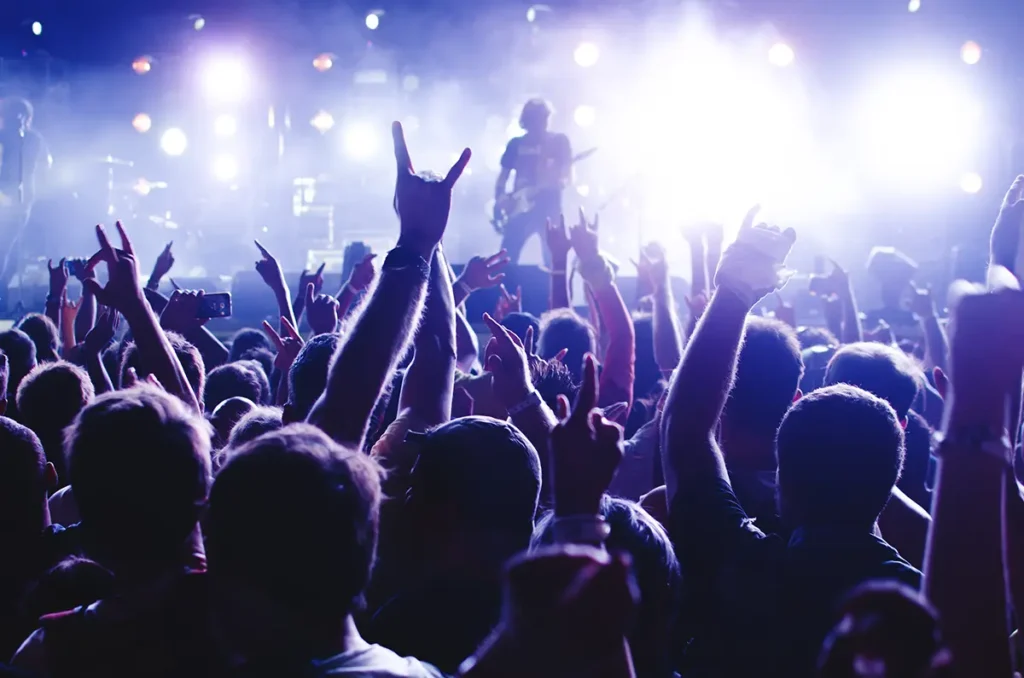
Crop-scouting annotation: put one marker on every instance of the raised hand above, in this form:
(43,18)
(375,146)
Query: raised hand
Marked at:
(1005,239)
(696,305)
(314,279)
(362,274)
(269,269)
(58,276)
(422,202)
(161,267)
(652,266)
(102,333)
(785,311)
(921,302)
(123,291)
(288,346)
(558,240)
(81,269)
(68,311)
(321,311)
(583,237)
(754,265)
(483,272)
(585,450)
(507,362)
(180,313)
(508,303)
(881,334)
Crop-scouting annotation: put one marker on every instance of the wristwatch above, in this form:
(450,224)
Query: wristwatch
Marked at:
(401,258)
(982,437)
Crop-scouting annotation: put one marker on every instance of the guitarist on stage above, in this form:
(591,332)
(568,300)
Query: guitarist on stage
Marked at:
(542,163)
(23,155)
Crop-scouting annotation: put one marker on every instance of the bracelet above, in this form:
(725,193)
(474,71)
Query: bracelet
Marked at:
(464,287)
(580,530)
(401,258)
(351,289)
(533,399)
(977,438)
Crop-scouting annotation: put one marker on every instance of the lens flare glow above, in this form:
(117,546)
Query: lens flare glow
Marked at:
(586,54)
(360,141)
(970,182)
(970,52)
(174,142)
(142,123)
(225,167)
(226,79)
(225,125)
(372,21)
(584,115)
(142,65)
(322,122)
(781,55)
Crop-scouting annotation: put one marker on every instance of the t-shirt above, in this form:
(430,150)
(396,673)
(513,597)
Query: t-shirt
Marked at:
(375,661)
(760,605)
(538,160)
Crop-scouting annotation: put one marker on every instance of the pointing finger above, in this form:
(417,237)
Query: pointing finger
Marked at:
(457,169)
(320,271)
(402,159)
(126,243)
(274,336)
(748,220)
(262,249)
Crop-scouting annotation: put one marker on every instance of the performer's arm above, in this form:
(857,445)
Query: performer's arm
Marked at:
(508,163)
(501,186)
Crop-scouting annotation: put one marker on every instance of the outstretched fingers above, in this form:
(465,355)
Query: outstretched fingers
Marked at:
(275,338)
(458,168)
(402,159)
(126,243)
(748,220)
(1014,194)
(587,397)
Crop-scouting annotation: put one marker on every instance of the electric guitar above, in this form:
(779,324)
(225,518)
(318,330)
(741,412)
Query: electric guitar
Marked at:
(519,202)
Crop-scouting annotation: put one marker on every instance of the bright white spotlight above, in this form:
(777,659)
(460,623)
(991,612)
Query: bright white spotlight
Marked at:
(586,54)
(225,167)
(173,141)
(226,79)
(37,28)
(913,6)
(781,55)
(970,52)
(323,62)
(970,182)
(225,125)
(584,116)
(372,21)
(322,122)
(531,14)
(142,123)
(199,23)
(359,141)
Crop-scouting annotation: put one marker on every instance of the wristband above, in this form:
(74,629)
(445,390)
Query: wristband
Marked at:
(464,287)
(401,258)
(351,289)
(531,400)
(580,530)
(976,438)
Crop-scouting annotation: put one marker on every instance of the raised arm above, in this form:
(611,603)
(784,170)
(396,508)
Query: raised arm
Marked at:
(369,352)
(301,298)
(270,270)
(480,273)
(86,317)
(359,280)
(559,247)
(124,293)
(619,365)
(668,345)
(182,319)
(965,574)
(430,380)
(697,395)
(58,287)
(936,347)
(843,289)
(96,341)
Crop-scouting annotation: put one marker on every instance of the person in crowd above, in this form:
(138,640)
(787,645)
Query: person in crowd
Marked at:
(255,423)
(307,376)
(226,416)
(246,340)
(21,359)
(49,399)
(240,379)
(310,584)
(760,604)
(44,334)
(187,354)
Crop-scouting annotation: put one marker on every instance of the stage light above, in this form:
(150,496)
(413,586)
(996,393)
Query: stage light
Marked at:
(142,123)
(586,54)
(583,190)
(174,141)
(531,14)
(323,62)
(584,116)
(372,21)
(199,23)
(142,65)
(225,125)
(781,55)
(359,141)
(913,6)
(322,122)
(410,83)
(970,182)
(37,28)
(225,167)
(226,79)
(970,52)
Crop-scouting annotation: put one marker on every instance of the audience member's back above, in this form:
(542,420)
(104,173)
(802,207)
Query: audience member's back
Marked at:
(470,506)
(21,359)
(44,334)
(307,378)
(288,573)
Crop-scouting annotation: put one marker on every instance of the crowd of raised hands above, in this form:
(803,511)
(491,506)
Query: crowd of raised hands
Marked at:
(612,492)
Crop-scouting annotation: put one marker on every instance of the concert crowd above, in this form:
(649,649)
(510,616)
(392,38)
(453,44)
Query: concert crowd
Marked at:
(371,491)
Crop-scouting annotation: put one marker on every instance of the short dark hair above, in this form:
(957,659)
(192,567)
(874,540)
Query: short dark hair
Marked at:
(552,379)
(15,107)
(22,474)
(139,435)
(485,469)
(840,451)
(245,340)
(188,355)
(564,328)
(21,356)
(264,357)
(816,336)
(49,399)
(312,548)
(254,424)
(767,376)
(884,371)
(307,378)
(517,323)
(244,379)
(44,334)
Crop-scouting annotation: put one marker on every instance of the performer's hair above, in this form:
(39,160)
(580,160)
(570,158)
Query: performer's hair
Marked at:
(16,107)
(535,107)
